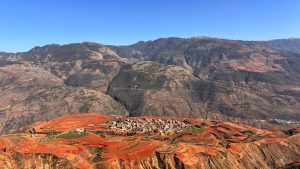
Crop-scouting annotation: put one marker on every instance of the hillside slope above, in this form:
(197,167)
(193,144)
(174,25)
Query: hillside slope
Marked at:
(51,81)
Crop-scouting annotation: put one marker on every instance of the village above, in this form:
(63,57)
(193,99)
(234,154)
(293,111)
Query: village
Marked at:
(147,125)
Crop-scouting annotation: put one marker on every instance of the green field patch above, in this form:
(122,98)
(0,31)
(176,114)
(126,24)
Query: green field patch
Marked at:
(132,146)
(21,136)
(48,138)
(193,129)
(72,134)
(131,139)
(15,141)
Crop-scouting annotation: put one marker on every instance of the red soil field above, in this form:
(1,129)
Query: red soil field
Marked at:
(86,140)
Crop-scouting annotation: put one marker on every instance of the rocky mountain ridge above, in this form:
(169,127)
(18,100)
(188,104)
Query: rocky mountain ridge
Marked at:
(194,77)
(291,44)
(240,78)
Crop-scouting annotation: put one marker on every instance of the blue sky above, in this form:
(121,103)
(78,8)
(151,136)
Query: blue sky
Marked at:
(28,23)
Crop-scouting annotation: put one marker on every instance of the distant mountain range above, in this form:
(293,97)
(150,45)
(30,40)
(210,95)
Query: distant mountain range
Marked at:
(194,77)
(291,45)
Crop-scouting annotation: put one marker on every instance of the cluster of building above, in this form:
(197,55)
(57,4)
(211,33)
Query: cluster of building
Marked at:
(144,125)
(281,121)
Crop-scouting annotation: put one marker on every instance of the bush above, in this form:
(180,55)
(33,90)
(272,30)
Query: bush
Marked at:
(187,121)
(98,156)
(97,159)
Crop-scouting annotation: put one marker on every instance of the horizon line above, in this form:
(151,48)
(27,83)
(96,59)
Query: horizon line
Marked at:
(149,40)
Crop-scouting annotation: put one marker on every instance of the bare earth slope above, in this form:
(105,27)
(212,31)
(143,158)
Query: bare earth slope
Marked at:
(30,94)
(86,141)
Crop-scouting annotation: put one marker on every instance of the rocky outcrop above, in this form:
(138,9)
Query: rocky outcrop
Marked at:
(36,161)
